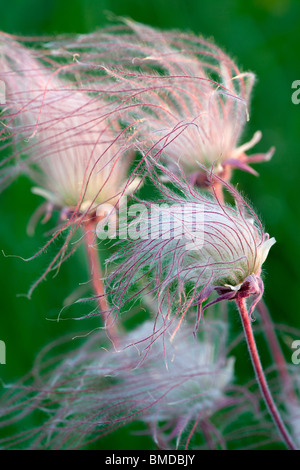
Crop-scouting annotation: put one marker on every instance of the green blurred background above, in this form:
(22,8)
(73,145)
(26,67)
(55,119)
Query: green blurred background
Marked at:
(262,36)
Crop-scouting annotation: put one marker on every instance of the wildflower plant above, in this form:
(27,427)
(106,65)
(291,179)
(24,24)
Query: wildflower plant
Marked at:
(224,253)
(186,98)
(69,142)
(87,119)
(177,387)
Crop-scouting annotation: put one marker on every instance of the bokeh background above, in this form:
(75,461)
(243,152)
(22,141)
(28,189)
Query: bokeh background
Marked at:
(262,36)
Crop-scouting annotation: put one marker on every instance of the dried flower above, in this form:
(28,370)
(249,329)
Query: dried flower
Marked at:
(95,391)
(186,99)
(190,245)
(74,147)
(181,387)
(66,136)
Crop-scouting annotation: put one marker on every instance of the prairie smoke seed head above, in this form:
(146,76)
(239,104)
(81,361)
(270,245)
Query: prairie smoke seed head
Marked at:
(74,146)
(62,130)
(182,259)
(95,391)
(186,99)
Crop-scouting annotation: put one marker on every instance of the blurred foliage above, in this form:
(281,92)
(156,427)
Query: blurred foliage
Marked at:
(262,36)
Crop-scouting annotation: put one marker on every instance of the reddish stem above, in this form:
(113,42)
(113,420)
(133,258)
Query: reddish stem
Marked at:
(89,228)
(246,321)
(273,342)
(94,264)
(218,190)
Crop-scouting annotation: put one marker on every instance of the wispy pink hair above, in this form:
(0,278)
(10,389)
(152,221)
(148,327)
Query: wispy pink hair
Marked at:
(65,134)
(177,388)
(69,132)
(185,97)
(226,255)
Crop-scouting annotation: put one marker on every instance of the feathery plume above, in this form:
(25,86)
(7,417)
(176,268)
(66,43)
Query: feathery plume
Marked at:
(67,139)
(66,136)
(189,246)
(185,97)
(180,383)
(182,388)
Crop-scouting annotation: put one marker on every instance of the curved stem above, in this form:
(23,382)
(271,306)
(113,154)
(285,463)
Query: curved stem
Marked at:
(219,193)
(94,264)
(261,379)
(89,228)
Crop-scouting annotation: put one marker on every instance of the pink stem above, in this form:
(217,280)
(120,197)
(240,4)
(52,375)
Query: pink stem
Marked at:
(94,263)
(273,342)
(89,228)
(246,321)
(218,190)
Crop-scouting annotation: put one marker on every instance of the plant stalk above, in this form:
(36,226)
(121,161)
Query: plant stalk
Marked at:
(260,376)
(89,228)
